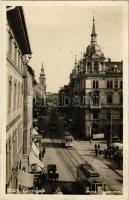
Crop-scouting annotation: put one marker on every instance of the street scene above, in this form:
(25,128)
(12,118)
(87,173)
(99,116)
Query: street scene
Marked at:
(64,129)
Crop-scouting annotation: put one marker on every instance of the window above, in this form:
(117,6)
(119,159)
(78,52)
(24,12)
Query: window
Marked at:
(96,66)
(7,163)
(19,60)
(10,154)
(88,66)
(96,98)
(121,99)
(121,84)
(109,99)
(116,84)
(15,90)
(95,84)
(95,114)
(121,114)
(18,96)
(14,152)
(115,68)
(10,94)
(10,46)
(21,92)
(15,54)
(109,84)
(21,63)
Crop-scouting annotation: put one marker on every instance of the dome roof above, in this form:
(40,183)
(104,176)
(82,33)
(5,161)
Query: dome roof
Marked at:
(94,49)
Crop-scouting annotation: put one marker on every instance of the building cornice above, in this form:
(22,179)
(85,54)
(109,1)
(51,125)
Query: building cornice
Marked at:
(16,21)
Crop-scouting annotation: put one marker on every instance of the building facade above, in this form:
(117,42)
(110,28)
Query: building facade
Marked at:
(28,114)
(18,51)
(95,93)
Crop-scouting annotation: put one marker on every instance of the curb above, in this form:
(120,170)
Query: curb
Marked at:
(111,167)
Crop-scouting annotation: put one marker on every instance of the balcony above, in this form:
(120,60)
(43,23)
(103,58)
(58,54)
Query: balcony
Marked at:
(95,106)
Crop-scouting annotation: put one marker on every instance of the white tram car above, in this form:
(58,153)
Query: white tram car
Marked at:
(90,180)
(68,139)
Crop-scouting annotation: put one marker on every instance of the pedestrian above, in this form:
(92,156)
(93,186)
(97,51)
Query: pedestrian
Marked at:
(95,147)
(98,146)
(100,152)
(107,143)
(96,151)
(44,150)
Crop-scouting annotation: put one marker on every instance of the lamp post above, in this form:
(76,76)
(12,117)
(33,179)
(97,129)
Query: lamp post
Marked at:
(110,127)
(90,129)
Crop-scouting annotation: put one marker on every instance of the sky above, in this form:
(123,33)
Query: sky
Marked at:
(58,33)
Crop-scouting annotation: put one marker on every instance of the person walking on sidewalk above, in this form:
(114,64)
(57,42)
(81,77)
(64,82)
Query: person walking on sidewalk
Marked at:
(100,152)
(44,151)
(95,147)
(98,146)
(96,152)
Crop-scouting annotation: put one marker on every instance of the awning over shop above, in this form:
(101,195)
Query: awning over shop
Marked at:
(34,132)
(35,149)
(34,160)
(25,179)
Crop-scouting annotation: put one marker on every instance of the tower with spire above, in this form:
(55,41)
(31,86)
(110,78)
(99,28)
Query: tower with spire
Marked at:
(94,56)
(42,81)
(93,34)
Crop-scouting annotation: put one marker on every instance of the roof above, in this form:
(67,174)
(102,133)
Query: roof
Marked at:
(17,23)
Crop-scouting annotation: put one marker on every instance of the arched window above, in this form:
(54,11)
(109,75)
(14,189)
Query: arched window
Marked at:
(96,98)
(96,66)
(116,84)
(109,99)
(88,66)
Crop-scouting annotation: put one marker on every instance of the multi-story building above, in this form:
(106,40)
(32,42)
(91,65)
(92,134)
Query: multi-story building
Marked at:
(18,52)
(28,114)
(96,93)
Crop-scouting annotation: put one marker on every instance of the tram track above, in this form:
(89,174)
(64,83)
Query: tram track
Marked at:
(71,161)
(71,167)
(71,158)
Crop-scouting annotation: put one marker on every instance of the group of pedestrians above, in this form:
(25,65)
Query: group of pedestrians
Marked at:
(98,150)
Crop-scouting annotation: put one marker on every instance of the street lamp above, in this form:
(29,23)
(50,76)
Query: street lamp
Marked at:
(90,131)
(110,127)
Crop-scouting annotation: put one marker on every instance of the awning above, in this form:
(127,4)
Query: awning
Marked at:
(34,132)
(117,144)
(35,149)
(34,160)
(25,179)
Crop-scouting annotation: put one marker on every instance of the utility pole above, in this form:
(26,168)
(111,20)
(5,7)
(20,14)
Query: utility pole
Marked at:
(110,127)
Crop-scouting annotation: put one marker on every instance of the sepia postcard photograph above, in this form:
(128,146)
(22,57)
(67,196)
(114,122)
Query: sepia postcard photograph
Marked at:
(64,100)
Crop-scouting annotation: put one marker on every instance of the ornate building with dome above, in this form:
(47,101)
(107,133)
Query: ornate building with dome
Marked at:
(95,92)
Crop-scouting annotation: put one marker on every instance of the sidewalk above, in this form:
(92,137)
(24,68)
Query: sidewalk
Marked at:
(106,167)
(108,161)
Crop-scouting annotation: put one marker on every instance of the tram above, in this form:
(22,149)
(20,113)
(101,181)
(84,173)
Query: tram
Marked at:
(68,139)
(90,180)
